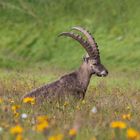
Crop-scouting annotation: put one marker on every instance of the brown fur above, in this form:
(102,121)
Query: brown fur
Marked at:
(71,84)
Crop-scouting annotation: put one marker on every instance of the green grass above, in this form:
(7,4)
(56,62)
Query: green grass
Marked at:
(29,32)
(113,96)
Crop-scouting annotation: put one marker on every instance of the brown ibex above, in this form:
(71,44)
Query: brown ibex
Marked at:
(75,83)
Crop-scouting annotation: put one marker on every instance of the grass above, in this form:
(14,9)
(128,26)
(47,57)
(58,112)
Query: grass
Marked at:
(113,96)
(29,32)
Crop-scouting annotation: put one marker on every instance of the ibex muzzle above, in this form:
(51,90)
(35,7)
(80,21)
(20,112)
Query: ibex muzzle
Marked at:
(74,83)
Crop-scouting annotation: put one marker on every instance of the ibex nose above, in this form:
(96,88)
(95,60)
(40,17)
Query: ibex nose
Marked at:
(104,73)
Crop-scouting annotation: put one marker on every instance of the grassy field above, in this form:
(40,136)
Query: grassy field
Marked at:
(31,55)
(116,98)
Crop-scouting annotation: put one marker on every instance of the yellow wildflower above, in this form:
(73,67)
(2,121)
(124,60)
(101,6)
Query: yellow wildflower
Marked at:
(66,104)
(42,118)
(19,137)
(83,102)
(15,108)
(118,124)
(16,129)
(42,123)
(126,116)
(56,137)
(72,132)
(30,100)
(78,107)
(1,100)
(42,126)
(16,114)
(132,134)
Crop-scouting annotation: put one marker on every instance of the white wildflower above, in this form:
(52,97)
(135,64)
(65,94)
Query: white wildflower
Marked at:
(1,129)
(24,116)
(94,110)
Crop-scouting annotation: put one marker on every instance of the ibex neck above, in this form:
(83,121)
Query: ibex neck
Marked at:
(84,76)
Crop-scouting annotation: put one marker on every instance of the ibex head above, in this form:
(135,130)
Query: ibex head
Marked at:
(92,59)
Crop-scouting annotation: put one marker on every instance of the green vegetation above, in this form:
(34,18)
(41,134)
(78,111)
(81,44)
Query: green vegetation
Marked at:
(31,55)
(29,30)
(114,97)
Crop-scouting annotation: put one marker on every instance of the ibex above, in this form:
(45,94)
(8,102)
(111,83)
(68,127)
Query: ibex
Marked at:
(74,83)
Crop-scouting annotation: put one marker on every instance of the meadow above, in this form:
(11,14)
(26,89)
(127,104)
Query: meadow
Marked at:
(31,55)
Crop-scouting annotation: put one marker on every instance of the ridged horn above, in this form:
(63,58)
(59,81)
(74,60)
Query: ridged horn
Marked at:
(90,38)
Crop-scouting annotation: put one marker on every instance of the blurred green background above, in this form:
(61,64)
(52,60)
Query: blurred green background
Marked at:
(29,29)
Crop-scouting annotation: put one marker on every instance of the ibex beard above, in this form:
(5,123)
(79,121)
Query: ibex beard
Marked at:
(74,84)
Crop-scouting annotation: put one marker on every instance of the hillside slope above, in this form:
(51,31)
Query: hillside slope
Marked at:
(29,29)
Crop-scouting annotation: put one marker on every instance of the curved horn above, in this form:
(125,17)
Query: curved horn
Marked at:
(78,38)
(91,40)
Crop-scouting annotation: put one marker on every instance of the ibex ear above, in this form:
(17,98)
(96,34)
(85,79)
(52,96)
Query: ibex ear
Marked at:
(85,59)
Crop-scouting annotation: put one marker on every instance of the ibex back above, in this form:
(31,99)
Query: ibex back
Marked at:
(75,83)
